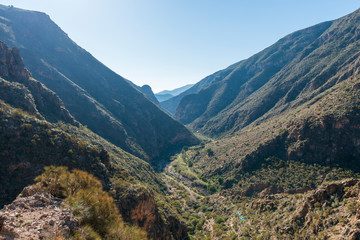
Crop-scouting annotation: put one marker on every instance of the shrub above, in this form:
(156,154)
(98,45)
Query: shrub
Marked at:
(59,182)
(317,205)
(81,180)
(211,188)
(53,181)
(95,209)
(70,151)
(219,220)
(200,224)
(27,127)
(209,152)
(221,180)
(229,183)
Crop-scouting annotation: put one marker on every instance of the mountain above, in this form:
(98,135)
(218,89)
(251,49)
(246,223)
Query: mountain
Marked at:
(283,162)
(171,104)
(147,91)
(285,148)
(34,137)
(166,94)
(285,75)
(96,96)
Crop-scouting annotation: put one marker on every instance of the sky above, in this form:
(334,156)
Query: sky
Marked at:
(170,43)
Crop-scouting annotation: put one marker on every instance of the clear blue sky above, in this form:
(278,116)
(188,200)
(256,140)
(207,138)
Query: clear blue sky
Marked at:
(170,43)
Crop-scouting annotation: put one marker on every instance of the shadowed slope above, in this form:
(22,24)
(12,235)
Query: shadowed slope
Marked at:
(94,95)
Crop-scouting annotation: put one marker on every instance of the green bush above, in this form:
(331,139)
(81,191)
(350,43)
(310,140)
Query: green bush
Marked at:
(61,183)
(95,209)
(209,152)
(317,205)
(221,180)
(211,188)
(219,220)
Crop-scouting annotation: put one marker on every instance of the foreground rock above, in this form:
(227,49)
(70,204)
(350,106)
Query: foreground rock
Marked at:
(36,215)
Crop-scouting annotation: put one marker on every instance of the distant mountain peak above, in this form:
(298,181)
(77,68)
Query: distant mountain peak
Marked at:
(166,94)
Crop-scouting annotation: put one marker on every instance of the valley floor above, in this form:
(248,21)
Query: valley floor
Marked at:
(329,210)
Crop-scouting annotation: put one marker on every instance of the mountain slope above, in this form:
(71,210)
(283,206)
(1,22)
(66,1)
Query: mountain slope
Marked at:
(146,89)
(272,163)
(29,142)
(171,104)
(287,123)
(290,72)
(94,95)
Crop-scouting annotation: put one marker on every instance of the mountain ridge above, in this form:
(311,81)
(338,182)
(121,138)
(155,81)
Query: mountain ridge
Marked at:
(95,95)
(171,104)
(273,78)
(167,94)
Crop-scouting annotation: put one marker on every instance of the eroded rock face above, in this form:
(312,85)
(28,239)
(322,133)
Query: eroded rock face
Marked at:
(17,95)
(11,63)
(139,207)
(35,214)
(326,141)
(20,90)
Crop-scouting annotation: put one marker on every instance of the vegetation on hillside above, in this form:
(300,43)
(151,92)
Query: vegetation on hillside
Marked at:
(38,143)
(284,158)
(296,69)
(34,136)
(96,210)
(96,96)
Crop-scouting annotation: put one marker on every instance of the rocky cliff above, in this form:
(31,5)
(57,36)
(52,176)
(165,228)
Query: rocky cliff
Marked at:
(11,63)
(17,81)
(140,207)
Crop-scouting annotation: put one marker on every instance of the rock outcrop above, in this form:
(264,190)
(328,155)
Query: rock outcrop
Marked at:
(139,207)
(35,97)
(17,95)
(346,191)
(35,214)
(11,64)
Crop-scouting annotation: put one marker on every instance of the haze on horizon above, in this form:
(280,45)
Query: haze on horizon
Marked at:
(168,44)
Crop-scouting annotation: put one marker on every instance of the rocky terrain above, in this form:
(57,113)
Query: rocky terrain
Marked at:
(36,215)
(328,212)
